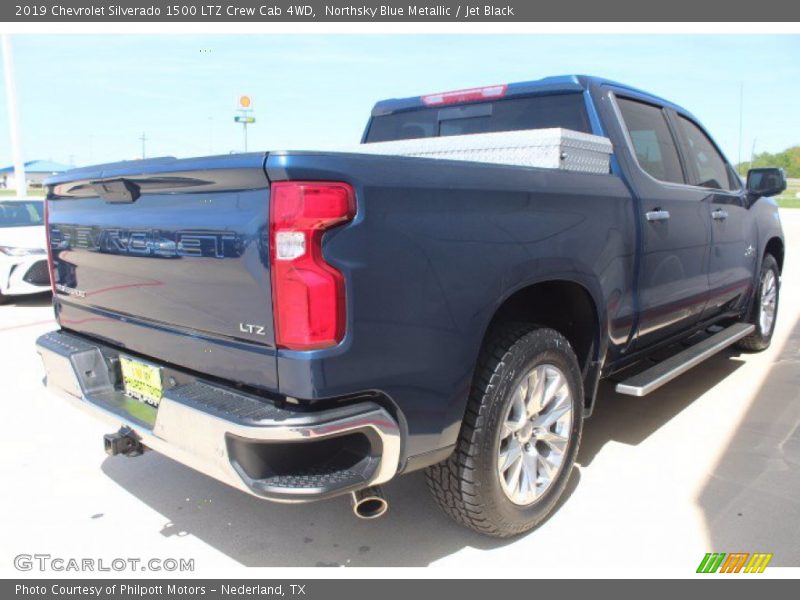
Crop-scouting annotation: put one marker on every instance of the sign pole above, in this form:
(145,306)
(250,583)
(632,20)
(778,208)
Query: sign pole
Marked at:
(13,118)
(245,116)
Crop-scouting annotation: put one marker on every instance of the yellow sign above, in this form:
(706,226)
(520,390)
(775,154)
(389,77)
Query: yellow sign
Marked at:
(244,101)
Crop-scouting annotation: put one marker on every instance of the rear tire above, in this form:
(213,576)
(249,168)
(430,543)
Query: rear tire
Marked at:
(520,366)
(767,295)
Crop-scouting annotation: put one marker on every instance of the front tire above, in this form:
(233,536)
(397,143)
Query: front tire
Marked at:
(519,437)
(764,311)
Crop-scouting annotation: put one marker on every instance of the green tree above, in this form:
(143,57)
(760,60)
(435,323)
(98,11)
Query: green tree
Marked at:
(788,160)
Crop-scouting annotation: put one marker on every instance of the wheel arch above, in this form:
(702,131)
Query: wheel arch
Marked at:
(775,247)
(569,307)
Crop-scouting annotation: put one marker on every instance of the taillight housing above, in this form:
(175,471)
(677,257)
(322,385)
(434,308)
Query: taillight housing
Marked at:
(308,294)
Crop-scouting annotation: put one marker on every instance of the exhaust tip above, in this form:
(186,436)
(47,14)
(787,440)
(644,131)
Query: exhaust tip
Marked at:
(369,503)
(371,508)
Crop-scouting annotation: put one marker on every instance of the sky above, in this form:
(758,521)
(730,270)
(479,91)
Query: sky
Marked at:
(87,99)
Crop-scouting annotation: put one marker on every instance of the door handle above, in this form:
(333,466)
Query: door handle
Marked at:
(719,214)
(657,215)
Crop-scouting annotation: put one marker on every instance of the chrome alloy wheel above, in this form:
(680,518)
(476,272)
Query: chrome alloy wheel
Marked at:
(769,301)
(535,435)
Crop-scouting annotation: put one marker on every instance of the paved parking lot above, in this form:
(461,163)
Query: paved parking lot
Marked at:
(711,462)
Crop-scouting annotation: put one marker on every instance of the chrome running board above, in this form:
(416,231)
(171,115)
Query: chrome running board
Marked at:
(653,378)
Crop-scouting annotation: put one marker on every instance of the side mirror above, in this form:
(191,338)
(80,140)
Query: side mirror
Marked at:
(765,182)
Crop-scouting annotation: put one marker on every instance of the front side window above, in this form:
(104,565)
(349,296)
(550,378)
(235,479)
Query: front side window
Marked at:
(710,169)
(652,141)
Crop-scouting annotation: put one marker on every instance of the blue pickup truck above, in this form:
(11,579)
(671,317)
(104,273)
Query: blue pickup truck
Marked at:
(302,325)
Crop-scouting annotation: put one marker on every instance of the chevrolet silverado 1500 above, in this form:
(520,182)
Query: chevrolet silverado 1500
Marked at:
(302,325)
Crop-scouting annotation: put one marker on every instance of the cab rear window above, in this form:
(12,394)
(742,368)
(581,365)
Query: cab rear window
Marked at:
(567,111)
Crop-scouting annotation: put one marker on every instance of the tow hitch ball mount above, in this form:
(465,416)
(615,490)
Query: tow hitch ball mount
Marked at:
(123,442)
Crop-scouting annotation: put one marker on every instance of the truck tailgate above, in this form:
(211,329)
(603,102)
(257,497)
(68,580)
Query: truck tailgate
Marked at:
(169,258)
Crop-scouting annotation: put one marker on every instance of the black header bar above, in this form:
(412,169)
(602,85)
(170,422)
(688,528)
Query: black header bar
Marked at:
(421,11)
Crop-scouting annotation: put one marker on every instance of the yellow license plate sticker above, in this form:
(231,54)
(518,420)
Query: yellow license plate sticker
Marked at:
(141,381)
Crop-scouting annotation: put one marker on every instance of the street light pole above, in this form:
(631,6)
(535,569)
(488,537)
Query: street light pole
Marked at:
(13,118)
(741,120)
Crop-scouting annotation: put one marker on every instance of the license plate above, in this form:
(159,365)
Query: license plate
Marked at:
(141,381)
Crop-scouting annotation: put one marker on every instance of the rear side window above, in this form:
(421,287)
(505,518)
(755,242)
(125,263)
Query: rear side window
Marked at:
(536,112)
(652,141)
(710,169)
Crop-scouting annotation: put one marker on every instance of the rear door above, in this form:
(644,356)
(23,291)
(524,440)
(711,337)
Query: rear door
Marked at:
(733,233)
(675,225)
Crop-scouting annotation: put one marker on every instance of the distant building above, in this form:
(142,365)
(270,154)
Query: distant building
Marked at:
(36,171)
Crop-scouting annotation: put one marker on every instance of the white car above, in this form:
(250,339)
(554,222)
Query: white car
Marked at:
(23,248)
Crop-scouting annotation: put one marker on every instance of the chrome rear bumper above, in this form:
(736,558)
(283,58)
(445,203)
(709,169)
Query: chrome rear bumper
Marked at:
(240,439)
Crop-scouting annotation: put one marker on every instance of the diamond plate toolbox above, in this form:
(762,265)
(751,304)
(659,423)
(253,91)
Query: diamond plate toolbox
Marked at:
(544,148)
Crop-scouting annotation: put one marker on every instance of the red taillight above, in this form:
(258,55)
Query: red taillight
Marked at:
(469,95)
(50,264)
(308,295)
